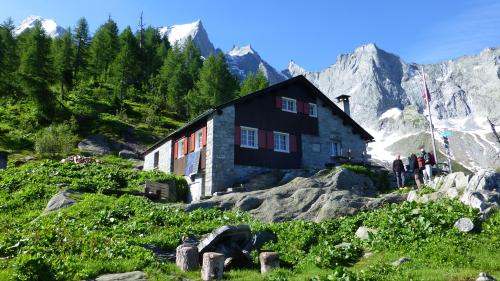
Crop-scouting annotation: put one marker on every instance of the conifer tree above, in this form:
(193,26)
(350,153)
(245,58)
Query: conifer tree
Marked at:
(104,48)
(253,83)
(125,67)
(151,59)
(192,61)
(63,61)
(35,71)
(215,85)
(175,81)
(82,42)
(9,59)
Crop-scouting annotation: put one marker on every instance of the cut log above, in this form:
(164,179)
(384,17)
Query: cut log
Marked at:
(268,261)
(187,258)
(213,266)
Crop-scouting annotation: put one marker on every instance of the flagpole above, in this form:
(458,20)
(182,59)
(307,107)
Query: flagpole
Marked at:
(427,97)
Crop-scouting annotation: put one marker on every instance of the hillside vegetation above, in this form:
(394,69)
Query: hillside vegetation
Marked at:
(123,84)
(104,233)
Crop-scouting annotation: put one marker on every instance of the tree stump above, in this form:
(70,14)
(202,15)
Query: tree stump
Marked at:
(213,266)
(187,258)
(268,261)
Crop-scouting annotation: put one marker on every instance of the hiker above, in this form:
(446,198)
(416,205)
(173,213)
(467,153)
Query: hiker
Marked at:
(428,165)
(414,168)
(398,168)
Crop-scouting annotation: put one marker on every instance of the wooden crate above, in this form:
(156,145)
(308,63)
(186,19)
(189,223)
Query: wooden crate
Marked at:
(161,191)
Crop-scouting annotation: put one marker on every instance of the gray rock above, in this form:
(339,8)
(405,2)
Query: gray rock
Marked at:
(316,198)
(97,145)
(363,233)
(485,277)
(401,261)
(127,154)
(412,196)
(343,245)
(59,201)
(127,276)
(464,225)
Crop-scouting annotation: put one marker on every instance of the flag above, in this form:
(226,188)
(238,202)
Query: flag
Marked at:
(426,95)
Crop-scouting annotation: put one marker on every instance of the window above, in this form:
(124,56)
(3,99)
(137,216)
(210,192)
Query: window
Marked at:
(156,159)
(198,140)
(180,148)
(249,137)
(289,105)
(313,110)
(336,149)
(281,142)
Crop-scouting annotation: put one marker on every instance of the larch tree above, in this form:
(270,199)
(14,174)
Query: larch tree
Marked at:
(82,41)
(63,61)
(104,48)
(252,83)
(35,71)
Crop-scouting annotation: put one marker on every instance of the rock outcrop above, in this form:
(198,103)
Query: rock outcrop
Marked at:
(481,191)
(315,198)
(59,201)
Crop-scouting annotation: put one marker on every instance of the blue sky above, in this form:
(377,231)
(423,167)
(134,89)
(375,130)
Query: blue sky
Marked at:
(312,33)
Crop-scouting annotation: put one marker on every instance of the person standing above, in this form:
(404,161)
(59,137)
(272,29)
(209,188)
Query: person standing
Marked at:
(428,166)
(398,168)
(413,167)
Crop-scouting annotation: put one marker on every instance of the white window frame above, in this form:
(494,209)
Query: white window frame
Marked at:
(180,148)
(244,140)
(198,140)
(338,145)
(287,142)
(287,101)
(313,113)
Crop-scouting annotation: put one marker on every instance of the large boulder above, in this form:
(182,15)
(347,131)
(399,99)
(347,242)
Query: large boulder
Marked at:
(315,198)
(483,190)
(363,233)
(98,145)
(464,225)
(127,154)
(59,201)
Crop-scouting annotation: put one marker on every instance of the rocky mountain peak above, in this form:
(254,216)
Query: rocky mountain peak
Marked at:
(178,34)
(50,26)
(293,69)
(243,51)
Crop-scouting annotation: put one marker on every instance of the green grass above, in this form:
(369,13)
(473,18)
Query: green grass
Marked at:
(103,234)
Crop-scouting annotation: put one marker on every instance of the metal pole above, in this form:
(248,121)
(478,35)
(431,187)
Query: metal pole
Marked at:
(430,118)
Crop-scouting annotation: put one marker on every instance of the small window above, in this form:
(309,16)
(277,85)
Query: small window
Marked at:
(281,142)
(336,149)
(289,105)
(313,110)
(180,148)
(198,140)
(156,159)
(249,137)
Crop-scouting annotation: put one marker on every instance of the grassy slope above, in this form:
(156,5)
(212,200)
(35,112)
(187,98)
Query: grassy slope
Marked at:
(103,233)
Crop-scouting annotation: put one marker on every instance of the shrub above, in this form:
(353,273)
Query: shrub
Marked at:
(55,140)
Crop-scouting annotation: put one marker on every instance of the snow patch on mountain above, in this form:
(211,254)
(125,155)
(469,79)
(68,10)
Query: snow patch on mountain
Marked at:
(179,34)
(50,26)
(393,113)
(241,51)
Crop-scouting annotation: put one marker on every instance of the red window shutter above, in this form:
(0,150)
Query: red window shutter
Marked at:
(237,135)
(300,107)
(306,108)
(262,138)
(191,143)
(204,136)
(175,150)
(185,146)
(270,140)
(293,143)
(279,102)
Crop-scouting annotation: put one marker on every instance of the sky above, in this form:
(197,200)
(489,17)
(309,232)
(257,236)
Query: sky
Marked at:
(312,33)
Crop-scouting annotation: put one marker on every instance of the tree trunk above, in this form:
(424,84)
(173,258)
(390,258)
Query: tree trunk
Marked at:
(268,261)
(213,266)
(187,258)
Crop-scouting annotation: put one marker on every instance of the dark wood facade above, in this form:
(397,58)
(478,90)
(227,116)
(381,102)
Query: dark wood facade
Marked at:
(263,113)
(179,164)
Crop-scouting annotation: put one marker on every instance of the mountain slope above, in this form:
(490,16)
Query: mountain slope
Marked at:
(50,26)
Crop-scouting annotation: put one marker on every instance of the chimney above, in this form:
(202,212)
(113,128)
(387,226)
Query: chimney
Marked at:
(344,99)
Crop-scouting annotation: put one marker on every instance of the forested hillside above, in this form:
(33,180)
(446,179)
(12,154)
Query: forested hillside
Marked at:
(121,83)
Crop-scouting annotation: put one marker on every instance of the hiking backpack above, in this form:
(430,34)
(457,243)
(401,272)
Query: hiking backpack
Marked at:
(432,159)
